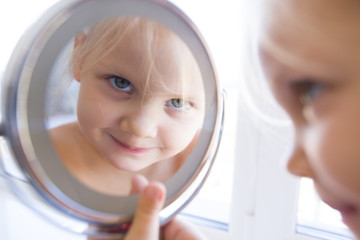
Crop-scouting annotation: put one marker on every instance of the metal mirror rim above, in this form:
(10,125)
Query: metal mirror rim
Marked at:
(21,128)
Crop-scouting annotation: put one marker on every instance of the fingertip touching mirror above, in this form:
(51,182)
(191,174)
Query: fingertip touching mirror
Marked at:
(97,91)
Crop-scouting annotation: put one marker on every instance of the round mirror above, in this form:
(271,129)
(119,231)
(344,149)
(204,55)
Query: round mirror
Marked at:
(99,91)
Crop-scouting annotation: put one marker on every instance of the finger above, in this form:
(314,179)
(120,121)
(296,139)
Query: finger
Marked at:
(178,229)
(146,220)
(138,183)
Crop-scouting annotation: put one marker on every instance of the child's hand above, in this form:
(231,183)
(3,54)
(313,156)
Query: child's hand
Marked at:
(177,229)
(146,221)
(146,225)
(138,183)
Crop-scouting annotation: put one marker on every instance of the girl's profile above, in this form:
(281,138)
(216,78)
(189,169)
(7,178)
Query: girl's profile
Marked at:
(310,53)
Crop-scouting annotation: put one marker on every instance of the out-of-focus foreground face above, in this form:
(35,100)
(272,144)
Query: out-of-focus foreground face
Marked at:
(310,52)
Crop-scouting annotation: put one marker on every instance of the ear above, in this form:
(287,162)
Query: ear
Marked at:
(77,62)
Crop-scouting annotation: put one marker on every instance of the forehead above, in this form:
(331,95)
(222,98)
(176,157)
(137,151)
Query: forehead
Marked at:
(158,56)
(308,32)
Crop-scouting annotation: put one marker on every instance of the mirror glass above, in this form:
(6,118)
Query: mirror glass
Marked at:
(124,97)
(98,91)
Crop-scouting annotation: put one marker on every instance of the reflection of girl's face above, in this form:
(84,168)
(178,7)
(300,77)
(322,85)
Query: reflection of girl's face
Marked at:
(131,126)
(313,67)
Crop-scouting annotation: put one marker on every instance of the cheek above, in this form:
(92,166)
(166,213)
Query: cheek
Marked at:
(334,153)
(178,136)
(92,110)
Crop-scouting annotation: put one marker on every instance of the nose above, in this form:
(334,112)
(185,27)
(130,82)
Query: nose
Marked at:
(299,165)
(140,121)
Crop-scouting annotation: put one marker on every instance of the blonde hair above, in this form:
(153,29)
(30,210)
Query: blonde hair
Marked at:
(104,37)
(254,89)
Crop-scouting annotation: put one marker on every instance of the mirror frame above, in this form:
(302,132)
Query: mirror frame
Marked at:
(23,114)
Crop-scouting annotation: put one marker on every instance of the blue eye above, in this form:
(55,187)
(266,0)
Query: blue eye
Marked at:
(309,91)
(178,104)
(121,83)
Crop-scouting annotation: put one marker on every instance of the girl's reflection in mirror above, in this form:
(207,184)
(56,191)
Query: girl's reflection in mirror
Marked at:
(140,105)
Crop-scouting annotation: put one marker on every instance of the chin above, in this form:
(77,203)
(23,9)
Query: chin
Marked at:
(125,166)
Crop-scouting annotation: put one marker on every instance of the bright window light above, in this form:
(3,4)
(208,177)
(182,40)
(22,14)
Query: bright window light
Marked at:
(212,205)
(16,16)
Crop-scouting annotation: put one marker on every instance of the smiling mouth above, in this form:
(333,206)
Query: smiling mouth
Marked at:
(130,149)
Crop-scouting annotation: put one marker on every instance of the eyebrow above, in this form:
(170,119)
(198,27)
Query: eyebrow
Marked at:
(286,71)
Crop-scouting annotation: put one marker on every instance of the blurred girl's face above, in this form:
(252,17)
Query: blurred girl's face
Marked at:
(310,52)
(132,124)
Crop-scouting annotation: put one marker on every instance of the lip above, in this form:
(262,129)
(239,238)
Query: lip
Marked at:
(347,211)
(129,148)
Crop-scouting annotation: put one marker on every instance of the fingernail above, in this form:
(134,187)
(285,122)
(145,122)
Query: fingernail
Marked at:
(153,192)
